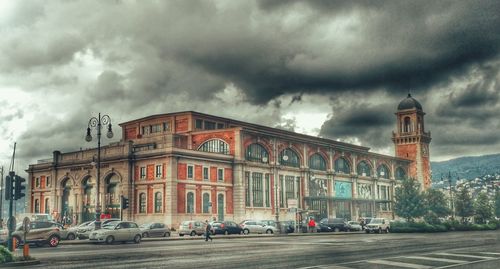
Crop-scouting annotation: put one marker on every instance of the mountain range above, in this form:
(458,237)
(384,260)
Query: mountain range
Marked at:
(466,167)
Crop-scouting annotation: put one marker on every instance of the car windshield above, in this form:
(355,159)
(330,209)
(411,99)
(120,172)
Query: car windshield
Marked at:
(110,225)
(353,222)
(376,221)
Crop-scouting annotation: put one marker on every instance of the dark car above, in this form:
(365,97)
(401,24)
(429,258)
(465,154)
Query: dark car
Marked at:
(288,226)
(322,228)
(336,224)
(226,227)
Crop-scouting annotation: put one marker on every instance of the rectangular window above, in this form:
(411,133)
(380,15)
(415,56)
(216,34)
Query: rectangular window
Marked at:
(206,174)
(145,130)
(166,126)
(220,125)
(157,128)
(289,188)
(37,182)
(247,188)
(190,170)
(47,183)
(199,124)
(143,172)
(220,174)
(282,204)
(257,190)
(268,188)
(209,125)
(159,169)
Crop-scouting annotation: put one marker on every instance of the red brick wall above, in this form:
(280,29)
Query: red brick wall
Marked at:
(150,172)
(136,173)
(198,172)
(228,175)
(408,151)
(227,136)
(150,200)
(181,198)
(42,184)
(131,133)
(213,174)
(164,172)
(214,201)
(198,200)
(181,171)
(181,124)
(229,201)
(42,203)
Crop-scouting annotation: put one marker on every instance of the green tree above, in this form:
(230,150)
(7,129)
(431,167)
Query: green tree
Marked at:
(409,202)
(463,204)
(436,205)
(483,209)
(497,203)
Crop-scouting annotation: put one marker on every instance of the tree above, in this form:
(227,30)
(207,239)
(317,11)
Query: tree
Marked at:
(463,204)
(436,205)
(484,211)
(409,202)
(497,203)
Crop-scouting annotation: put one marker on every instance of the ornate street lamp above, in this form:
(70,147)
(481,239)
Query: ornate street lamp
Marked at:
(97,124)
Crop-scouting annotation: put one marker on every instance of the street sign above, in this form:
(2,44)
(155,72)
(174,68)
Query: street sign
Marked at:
(292,203)
(26,224)
(11,223)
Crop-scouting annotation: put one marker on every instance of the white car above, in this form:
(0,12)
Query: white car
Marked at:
(378,225)
(121,231)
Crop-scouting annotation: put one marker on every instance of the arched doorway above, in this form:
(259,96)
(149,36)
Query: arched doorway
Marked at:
(67,201)
(88,203)
(220,207)
(112,197)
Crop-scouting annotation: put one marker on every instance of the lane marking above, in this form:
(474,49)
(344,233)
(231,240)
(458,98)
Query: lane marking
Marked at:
(435,259)
(400,264)
(466,256)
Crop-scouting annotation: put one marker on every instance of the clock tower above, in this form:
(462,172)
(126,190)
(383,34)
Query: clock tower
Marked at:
(411,141)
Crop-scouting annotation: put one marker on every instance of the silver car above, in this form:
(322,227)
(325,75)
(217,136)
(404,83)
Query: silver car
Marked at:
(191,227)
(84,231)
(258,227)
(154,230)
(121,231)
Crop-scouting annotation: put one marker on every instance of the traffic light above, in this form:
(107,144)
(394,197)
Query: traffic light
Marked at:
(124,202)
(19,188)
(8,187)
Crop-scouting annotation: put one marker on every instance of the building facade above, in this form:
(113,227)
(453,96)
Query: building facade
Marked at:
(188,165)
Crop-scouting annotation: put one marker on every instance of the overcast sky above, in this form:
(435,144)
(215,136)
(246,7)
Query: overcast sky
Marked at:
(337,69)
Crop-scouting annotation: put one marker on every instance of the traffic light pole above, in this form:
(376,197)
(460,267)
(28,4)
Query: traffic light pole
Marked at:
(11,216)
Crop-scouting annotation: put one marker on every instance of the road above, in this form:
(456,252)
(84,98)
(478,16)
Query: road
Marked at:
(335,250)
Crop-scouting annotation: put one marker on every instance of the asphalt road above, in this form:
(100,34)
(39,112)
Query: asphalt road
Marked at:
(335,250)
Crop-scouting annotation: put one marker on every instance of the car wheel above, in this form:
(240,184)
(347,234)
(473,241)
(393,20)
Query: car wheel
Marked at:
(167,234)
(144,235)
(226,232)
(181,234)
(53,241)
(193,233)
(269,231)
(336,230)
(137,238)
(110,239)
(71,237)
(379,230)
(366,231)
(246,231)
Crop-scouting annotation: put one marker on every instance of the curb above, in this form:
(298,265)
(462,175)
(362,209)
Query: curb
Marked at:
(20,263)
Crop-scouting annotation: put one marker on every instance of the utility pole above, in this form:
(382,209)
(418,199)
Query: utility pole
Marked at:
(1,197)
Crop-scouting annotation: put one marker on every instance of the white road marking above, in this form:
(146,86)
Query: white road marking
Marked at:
(465,256)
(400,264)
(435,259)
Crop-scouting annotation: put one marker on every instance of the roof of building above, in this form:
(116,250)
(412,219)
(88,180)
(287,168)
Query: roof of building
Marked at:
(409,103)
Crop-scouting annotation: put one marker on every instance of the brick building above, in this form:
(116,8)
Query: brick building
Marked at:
(189,165)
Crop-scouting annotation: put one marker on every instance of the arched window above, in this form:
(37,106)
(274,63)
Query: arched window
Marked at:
(142,203)
(288,157)
(407,125)
(190,202)
(400,173)
(47,206)
(364,169)
(257,153)
(158,202)
(383,171)
(206,203)
(317,162)
(37,206)
(216,146)
(342,166)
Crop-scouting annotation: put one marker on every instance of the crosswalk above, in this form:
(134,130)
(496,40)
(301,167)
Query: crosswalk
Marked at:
(425,261)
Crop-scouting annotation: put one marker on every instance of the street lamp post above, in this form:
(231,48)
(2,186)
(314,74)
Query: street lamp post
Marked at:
(97,124)
(451,198)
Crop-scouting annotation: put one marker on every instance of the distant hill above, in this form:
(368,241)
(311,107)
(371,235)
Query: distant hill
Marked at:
(466,167)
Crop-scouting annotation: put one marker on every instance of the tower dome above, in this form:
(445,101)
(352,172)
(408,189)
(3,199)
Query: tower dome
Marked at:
(409,103)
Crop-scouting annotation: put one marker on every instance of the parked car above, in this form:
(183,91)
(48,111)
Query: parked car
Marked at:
(122,231)
(226,227)
(323,228)
(257,227)
(378,225)
(354,226)
(288,226)
(84,231)
(191,227)
(40,233)
(336,224)
(154,230)
(66,233)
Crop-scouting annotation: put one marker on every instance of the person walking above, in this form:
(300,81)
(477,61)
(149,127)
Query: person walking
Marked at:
(312,225)
(208,230)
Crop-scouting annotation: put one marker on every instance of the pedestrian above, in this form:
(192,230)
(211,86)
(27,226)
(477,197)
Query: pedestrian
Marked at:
(312,225)
(208,230)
